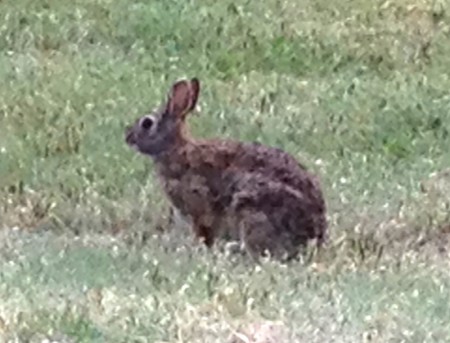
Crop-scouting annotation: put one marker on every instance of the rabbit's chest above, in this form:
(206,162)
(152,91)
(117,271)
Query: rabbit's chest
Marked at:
(191,194)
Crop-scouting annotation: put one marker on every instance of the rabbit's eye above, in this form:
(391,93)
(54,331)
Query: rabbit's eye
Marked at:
(147,123)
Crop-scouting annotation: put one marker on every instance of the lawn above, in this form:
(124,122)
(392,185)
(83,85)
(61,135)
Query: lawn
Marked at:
(358,90)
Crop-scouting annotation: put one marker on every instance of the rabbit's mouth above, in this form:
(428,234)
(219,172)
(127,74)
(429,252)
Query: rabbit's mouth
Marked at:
(130,137)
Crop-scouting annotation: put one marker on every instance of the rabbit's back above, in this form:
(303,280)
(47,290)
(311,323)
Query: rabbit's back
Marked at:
(211,162)
(276,164)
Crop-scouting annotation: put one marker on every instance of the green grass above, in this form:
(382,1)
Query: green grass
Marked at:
(358,90)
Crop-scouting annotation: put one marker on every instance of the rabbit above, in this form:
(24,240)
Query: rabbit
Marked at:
(257,194)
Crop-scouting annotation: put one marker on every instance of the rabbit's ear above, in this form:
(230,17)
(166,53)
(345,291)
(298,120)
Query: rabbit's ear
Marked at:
(195,91)
(183,97)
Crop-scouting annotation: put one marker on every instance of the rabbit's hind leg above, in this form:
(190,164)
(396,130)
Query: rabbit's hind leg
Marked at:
(258,235)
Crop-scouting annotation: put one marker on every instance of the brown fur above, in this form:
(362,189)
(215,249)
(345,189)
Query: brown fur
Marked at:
(256,193)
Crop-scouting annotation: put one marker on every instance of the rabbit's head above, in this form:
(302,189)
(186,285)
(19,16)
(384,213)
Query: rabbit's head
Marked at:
(159,132)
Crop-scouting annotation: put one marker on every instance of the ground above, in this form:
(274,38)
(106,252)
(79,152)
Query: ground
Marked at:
(357,90)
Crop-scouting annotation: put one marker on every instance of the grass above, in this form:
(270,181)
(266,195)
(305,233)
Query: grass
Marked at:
(356,89)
